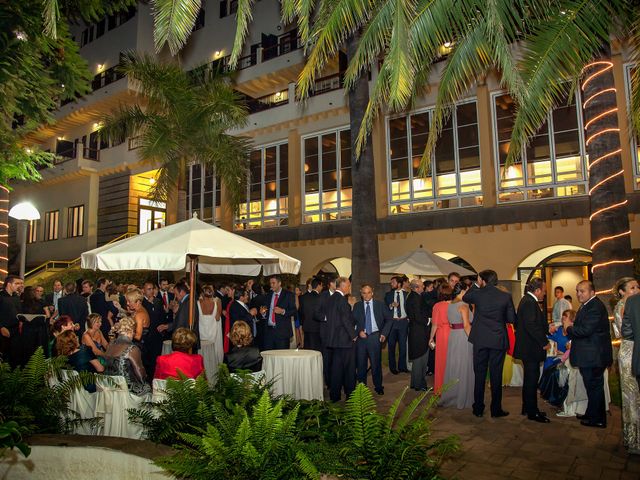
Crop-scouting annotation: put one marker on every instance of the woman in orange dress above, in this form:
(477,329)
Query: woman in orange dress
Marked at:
(440,332)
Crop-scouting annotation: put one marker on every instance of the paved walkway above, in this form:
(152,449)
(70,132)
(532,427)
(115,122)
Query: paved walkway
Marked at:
(516,448)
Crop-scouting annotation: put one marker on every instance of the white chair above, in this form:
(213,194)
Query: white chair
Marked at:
(576,401)
(83,404)
(114,401)
(159,390)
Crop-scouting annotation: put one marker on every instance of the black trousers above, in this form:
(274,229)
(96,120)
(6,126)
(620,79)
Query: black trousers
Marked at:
(343,372)
(273,342)
(312,341)
(493,360)
(530,387)
(593,379)
(369,350)
(431,362)
(398,335)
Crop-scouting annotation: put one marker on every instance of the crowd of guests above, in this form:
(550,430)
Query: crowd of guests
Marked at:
(456,329)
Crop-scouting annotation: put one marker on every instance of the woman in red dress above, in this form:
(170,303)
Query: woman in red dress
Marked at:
(181,359)
(440,332)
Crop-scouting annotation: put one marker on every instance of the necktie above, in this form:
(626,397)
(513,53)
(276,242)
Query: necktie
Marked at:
(164,299)
(398,302)
(273,311)
(367,319)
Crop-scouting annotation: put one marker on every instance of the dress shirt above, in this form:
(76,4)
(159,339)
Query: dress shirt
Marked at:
(398,296)
(374,324)
(270,321)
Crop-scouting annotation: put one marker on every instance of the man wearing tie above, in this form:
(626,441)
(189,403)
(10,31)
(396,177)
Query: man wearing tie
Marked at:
(281,306)
(373,323)
(395,300)
(591,351)
(239,310)
(166,297)
(51,299)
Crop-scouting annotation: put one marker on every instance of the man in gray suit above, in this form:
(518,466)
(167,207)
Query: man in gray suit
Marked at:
(631,331)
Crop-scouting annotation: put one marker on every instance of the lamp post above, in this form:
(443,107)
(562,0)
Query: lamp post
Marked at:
(24,212)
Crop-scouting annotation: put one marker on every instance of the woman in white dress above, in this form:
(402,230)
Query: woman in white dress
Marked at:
(209,308)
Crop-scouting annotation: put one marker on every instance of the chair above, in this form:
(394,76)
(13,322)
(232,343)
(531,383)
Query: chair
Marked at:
(114,401)
(83,404)
(576,401)
(159,390)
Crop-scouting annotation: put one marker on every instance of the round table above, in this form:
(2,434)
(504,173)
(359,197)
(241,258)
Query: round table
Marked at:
(209,355)
(297,373)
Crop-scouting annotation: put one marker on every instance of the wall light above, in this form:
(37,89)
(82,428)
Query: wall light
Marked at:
(217,54)
(100,67)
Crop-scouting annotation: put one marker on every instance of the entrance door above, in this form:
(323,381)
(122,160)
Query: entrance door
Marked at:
(151,215)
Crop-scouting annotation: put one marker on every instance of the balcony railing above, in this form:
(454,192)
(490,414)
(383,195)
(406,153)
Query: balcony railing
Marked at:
(271,47)
(272,100)
(327,84)
(105,78)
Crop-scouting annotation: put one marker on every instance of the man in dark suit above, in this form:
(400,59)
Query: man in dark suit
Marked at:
(51,299)
(276,320)
(99,304)
(631,331)
(493,310)
(373,323)
(591,351)
(341,338)
(531,346)
(328,289)
(75,306)
(166,297)
(430,298)
(153,342)
(240,310)
(308,306)
(10,307)
(418,336)
(395,300)
(181,312)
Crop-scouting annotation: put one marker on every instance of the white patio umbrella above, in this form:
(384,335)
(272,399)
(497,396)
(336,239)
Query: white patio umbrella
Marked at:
(189,245)
(424,263)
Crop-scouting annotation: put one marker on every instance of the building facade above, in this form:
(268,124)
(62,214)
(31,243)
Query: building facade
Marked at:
(531,216)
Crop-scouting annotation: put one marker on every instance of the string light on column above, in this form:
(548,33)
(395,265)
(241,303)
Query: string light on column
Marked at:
(605,66)
(4,232)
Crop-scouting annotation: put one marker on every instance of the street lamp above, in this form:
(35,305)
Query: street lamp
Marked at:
(24,212)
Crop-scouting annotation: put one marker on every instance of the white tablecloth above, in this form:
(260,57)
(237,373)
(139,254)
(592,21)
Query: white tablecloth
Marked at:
(209,354)
(297,373)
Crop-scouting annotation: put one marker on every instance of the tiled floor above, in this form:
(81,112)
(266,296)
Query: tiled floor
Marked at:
(516,448)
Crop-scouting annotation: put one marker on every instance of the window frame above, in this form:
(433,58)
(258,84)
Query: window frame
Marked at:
(214,191)
(72,225)
(47,226)
(32,231)
(435,197)
(524,189)
(338,210)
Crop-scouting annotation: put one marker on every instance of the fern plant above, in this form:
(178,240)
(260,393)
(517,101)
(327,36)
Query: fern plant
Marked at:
(30,397)
(191,405)
(396,445)
(262,444)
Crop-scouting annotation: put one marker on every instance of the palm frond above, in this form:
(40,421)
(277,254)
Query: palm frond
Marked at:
(173,22)
(304,10)
(401,66)
(244,17)
(50,17)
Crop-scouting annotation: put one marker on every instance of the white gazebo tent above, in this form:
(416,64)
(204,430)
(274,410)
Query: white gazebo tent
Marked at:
(190,245)
(423,263)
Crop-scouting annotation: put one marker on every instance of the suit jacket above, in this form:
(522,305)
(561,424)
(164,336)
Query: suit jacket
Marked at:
(245,358)
(10,307)
(380,312)
(531,331)
(631,329)
(309,304)
(287,301)
(590,337)
(48,298)
(100,304)
(419,330)
(168,366)
(341,326)
(76,307)
(181,319)
(493,310)
(168,315)
(390,297)
(238,312)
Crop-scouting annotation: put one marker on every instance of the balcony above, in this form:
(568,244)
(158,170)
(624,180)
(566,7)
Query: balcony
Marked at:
(271,47)
(105,78)
(267,102)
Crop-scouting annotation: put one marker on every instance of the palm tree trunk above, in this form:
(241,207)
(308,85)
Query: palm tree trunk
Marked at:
(4,232)
(365,260)
(606,189)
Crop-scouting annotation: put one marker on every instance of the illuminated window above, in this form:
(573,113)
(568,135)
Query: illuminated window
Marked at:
(635,145)
(453,176)
(151,215)
(203,194)
(267,202)
(75,221)
(32,232)
(51,225)
(552,164)
(327,176)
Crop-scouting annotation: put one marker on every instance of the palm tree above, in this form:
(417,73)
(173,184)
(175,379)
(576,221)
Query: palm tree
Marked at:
(183,118)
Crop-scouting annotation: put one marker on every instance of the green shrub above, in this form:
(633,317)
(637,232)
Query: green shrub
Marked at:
(11,437)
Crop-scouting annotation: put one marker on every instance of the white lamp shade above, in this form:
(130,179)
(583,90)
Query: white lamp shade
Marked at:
(24,211)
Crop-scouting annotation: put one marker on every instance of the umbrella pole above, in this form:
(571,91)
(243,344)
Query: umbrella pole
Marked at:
(193,261)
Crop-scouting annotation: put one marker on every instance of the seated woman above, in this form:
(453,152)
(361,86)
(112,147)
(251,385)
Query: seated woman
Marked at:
(62,324)
(550,385)
(93,338)
(242,356)
(181,359)
(124,358)
(78,356)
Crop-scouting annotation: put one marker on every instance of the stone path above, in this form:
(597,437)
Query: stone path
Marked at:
(516,448)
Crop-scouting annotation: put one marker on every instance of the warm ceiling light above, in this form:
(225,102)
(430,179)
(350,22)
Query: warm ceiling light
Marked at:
(100,67)
(217,54)
(61,138)
(278,94)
